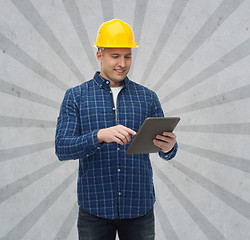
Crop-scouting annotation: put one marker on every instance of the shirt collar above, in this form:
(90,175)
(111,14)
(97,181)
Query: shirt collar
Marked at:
(104,83)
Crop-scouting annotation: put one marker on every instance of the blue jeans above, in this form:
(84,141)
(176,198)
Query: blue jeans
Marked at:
(91,227)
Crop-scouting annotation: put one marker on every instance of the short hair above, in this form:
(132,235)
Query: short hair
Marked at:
(101,49)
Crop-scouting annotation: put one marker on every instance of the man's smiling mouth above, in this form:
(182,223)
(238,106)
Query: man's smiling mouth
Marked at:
(119,71)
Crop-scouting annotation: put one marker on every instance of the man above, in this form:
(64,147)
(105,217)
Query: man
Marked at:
(96,123)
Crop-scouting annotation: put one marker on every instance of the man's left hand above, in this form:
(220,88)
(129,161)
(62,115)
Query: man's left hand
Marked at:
(165,142)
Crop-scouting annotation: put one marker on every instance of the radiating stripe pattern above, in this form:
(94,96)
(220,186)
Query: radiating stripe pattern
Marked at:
(194,54)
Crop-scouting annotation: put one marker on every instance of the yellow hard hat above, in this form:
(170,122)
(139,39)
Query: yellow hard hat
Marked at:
(115,34)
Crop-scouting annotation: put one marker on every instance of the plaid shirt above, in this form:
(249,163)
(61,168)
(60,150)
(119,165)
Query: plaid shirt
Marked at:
(111,184)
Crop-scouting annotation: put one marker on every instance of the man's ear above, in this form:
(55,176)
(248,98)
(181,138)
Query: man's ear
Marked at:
(99,56)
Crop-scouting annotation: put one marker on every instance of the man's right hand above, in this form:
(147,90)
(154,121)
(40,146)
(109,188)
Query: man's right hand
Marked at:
(119,134)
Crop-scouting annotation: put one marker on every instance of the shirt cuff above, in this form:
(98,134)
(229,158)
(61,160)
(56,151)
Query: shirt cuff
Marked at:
(93,143)
(171,154)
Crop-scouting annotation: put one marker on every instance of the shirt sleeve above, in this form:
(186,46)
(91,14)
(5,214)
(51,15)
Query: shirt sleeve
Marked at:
(69,143)
(169,155)
(158,112)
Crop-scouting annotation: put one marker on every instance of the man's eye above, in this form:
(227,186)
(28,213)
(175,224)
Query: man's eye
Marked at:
(115,56)
(128,57)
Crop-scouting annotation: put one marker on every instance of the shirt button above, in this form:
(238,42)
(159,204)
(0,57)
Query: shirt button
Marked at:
(98,148)
(119,169)
(87,155)
(120,194)
(118,149)
(113,108)
(107,82)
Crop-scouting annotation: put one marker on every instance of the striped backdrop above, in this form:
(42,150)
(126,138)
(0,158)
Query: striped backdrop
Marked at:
(194,54)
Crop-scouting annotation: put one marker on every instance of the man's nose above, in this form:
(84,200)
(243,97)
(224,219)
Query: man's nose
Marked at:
(122,62)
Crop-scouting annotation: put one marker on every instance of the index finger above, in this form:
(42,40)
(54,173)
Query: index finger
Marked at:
(128,130)
(169,134)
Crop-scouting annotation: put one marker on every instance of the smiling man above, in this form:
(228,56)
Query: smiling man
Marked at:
(96,123)
(115,64)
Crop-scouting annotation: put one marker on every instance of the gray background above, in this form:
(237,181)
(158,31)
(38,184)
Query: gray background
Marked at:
(194,54)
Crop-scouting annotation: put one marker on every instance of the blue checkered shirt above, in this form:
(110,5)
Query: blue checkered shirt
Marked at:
(111,184)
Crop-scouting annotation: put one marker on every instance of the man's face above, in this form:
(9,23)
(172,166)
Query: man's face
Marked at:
(115,64)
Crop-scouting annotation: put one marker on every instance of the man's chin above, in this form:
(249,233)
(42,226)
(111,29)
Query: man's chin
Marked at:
(119,77)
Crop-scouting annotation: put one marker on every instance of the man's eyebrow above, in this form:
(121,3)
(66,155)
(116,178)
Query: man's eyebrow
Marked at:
(117,54)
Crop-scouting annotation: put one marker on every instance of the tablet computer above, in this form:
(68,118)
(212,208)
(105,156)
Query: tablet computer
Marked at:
(152,126)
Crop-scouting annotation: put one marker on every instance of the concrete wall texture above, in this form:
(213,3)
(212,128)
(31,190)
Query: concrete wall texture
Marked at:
(194,54)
